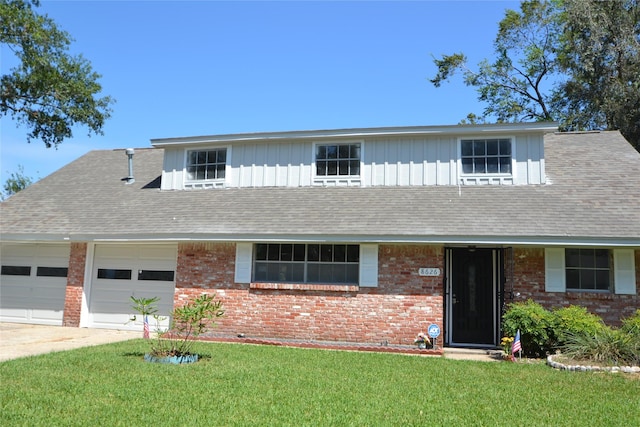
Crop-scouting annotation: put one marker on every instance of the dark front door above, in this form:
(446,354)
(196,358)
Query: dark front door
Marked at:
(472,296)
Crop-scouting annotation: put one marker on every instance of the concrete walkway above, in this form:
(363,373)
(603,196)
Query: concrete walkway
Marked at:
(21,340)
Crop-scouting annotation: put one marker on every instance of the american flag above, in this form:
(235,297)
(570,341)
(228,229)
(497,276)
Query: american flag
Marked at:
(145,333)
(517,345)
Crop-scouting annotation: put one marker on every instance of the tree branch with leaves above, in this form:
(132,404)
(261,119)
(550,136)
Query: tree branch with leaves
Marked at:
(576,62)
(51,90)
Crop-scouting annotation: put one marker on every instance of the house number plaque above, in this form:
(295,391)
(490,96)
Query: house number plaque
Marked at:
(429,271)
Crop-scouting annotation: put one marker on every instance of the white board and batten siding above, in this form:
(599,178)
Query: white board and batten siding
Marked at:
(112,287)
(624,277)
(391,161)
(33,288)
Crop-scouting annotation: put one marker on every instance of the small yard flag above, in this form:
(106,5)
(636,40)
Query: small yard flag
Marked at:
(517,345)
(145,333)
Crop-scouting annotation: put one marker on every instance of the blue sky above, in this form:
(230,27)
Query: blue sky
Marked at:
(211,67)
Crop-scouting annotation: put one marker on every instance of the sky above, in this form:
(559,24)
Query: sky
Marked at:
(191,68)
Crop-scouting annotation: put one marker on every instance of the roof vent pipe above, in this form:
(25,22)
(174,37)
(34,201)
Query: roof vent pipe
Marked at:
(130,179)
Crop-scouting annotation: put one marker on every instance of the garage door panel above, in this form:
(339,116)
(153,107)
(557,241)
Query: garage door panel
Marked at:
(55,252)
(14,314)
(110,303)
(20,251)
(47,317)
(15,297)
(111,252)
(51,300)
(33,297)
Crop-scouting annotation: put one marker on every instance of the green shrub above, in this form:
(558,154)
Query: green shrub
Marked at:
(535,324)
(574,320)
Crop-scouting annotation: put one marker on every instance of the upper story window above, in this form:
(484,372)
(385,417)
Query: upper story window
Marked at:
(588,269)
(486,156)
(337,160)
(206,164)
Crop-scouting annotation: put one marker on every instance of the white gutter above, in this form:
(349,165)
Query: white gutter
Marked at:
(539,241)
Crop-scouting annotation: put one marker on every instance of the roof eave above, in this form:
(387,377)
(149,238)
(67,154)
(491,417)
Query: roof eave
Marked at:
(502,241)
(514,128)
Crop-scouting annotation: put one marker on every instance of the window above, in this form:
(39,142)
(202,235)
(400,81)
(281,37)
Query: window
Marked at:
(52,271)
(302,263)
(588,269)
(16,270)
(156,275)
(486,156)
(338,160)
(112,273)
(206,165)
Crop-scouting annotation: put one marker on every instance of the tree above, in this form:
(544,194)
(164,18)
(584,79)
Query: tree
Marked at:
(513,86)
(50,91)
(16,182)
(572,61)
(600,51)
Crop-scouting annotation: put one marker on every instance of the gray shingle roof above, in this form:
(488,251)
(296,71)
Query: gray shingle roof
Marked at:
(594,197)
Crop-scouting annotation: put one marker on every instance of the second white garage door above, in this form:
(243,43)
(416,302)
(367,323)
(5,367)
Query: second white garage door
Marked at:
(122,271)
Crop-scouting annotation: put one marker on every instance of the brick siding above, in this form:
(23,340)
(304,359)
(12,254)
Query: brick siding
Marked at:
(402,305)
(75,285)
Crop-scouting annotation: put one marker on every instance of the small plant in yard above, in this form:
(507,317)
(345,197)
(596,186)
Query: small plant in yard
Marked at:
(506,343)
(422,340)
(146,307)
(187,323)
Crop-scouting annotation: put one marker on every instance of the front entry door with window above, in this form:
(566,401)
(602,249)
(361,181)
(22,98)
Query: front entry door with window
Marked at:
(472,298)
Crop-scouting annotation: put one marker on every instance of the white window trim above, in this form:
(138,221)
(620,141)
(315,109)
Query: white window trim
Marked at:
(206,183)
(336,179)
(368,274)
(554,270)
(244,262)
(462,175)
(624,272)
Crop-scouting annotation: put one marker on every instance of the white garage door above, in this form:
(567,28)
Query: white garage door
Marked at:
(122,271)
(33,282)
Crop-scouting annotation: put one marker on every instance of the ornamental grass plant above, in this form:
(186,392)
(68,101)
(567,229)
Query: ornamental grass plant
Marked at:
(608,346)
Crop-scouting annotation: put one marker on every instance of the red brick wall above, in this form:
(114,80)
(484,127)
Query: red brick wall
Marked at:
(530,280)
(402,305)
(75,285)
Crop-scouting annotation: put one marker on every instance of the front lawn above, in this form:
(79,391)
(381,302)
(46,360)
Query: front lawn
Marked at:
(263,385)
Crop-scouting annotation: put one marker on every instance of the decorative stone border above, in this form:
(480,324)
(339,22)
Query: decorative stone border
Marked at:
(588,368)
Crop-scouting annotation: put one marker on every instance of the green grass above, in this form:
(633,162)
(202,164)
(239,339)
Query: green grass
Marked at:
(263,385)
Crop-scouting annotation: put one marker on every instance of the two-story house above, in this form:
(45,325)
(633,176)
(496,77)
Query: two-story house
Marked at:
(357,235)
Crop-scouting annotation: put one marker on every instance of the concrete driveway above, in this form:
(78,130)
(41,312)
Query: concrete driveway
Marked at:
(21,340)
